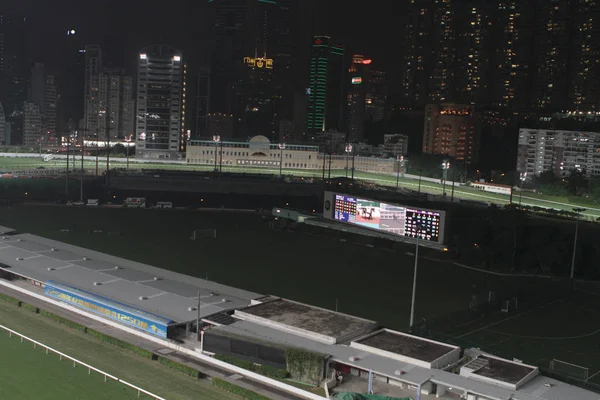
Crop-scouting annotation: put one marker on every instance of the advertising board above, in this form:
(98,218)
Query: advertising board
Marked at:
(393,219)
(138,319)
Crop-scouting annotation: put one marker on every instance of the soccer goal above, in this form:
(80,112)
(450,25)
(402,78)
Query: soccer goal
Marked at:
(509,305)
(204,234)
(568,369)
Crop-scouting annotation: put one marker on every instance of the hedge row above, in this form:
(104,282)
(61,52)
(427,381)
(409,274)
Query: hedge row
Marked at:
(63,321)
(9,299)
(184,369)
(265,370)
(121,344)
(237,390)
(29,307)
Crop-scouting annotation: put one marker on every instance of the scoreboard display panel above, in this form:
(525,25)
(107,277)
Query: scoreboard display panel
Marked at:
(389,218)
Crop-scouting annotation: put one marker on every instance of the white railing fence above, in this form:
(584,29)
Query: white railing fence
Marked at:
(61,355)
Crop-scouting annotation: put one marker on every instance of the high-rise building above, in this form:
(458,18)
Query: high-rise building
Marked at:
(2,125)
(259,98)
(161,102)
(358,79)
(221,125)
(395,144)
(13,68)
(202,102)
(115,104)
(326,86)
(377,94)
(452,130)
(32,124)
(442,84)
(71,84)
(50,106)
(92,112)
(561,152)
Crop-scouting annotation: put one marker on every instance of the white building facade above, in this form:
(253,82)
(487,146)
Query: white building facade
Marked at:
(395,144)
(161,101)
(561,152)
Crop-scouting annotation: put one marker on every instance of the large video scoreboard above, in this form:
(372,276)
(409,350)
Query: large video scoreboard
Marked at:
(389,218)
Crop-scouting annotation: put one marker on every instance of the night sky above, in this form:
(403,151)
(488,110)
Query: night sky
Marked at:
(122,27)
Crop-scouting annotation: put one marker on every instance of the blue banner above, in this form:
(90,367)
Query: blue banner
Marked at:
(126,315)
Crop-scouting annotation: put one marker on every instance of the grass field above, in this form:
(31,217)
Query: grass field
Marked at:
(463,192)
(567,329)
(31,374)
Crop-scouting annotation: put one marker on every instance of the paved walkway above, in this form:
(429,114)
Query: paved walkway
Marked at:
(208,371)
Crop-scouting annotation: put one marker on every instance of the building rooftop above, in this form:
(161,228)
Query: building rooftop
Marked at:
(406,345)
(307,320)
(5,230)
(539,388)
(153,290)
(499,369)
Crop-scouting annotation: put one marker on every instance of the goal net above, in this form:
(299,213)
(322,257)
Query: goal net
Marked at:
(568,369)
(204,234)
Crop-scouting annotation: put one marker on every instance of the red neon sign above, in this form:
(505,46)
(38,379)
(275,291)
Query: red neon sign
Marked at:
(367,62)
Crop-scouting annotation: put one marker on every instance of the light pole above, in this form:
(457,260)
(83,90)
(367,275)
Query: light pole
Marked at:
(400,163)
(523,178)
(281,148)
(445,167)
(216,139)
(414,290)
(127,141)
(347,150)
(578,211)
(420,173)
(81,175)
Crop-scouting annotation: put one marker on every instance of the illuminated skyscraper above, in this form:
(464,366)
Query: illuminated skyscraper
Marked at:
(326,86)
(443,67)
(91,106)
(161,103)
(377,93)
(358,79)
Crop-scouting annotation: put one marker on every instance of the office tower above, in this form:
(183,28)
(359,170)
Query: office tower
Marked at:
(127,108)
(451,129)
(160,102)
(32,124)
(377,93)
(358,79)
(221,125)
(559,151)
(92,112)
(202,103)
(37,85)
(50,106)
(2,125)
(259,98)
(115,101)
(71,83)
(231,35)
(326,86)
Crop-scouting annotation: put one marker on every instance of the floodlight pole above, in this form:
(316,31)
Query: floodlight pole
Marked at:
(198,319)
(578,211)
(82,154)
(67,175)
(414,290)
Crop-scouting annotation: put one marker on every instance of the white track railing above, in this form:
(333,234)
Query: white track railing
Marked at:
(75,362)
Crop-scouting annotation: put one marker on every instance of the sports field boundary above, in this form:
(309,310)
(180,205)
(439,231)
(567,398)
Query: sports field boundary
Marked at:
(76,361)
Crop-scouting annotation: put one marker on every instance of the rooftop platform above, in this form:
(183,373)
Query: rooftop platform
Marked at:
(153,290)
(499,371)
(408,348)
(304,320)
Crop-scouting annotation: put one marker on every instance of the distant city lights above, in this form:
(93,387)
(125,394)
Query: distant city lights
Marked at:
(70,32)
(176,58)
(143,56)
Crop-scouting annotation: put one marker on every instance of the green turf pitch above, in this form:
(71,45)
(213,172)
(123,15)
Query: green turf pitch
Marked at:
(27,373)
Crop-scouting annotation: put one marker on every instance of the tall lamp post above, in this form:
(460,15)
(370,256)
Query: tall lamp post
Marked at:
(522,178)
(128,142)
(347,150)
(216,139)
(445,168)
(578,211)
(281,148)
(400,162)
(414,289)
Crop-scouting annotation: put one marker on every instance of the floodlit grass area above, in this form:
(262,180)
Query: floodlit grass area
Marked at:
(369,282)
(8,164)
(567,330)
(26,373)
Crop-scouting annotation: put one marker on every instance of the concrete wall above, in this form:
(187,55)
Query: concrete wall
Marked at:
(447,359)
(172,345)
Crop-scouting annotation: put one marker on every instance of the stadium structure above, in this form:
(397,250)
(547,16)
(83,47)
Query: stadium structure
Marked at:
(168,306)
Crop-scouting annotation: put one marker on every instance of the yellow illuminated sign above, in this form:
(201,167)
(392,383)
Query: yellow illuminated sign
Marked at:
(259,62)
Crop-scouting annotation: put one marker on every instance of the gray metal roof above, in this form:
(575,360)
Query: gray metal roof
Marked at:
(4,229)
(124,281)
(536,389)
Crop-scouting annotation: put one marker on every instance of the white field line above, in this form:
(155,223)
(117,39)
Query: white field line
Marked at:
(89,367)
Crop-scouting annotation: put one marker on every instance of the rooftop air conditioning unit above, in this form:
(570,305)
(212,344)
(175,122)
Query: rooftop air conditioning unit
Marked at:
(19,258)
(85,258)
(143,298)
(353,358)
(97,283)
(192,308)
(157,278)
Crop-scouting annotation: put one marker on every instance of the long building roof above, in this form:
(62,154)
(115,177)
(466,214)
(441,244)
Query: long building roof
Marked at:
(153,290)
